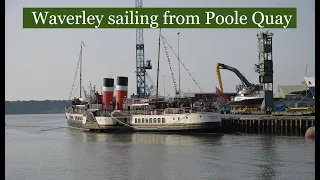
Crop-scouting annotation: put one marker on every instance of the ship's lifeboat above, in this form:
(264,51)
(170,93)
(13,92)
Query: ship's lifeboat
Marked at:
(76,101)
(83,100)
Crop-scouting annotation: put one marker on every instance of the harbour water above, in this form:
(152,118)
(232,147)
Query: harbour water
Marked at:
(41,147)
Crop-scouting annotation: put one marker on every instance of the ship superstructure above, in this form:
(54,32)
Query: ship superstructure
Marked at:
(311,83)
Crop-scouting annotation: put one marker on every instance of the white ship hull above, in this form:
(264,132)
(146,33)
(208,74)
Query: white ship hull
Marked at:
(74,120)
(106,123)
(210,121)
(177,122)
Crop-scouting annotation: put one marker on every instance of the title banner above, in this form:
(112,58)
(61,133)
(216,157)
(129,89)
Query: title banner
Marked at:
(159,17)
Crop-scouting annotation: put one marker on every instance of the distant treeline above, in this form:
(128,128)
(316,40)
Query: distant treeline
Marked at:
(36,107)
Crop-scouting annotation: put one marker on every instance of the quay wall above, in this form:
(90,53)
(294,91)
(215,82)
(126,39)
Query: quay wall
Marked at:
(267,124)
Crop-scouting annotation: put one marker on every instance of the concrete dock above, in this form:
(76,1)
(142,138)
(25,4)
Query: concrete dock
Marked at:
(267,124)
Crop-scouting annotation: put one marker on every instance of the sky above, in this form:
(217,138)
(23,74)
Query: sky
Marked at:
(40,64)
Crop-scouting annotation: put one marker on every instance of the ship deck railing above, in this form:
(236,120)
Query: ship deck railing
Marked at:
(170,111)
(74,110)
(99,107)
(90,107)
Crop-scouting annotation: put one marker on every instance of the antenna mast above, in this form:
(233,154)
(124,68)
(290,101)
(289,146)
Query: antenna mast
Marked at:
(305,74)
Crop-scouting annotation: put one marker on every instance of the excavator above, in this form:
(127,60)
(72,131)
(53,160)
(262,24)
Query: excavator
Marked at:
(244,81)
(247,85)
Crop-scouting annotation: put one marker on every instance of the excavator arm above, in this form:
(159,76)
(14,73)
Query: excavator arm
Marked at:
(219,77)
(244,80)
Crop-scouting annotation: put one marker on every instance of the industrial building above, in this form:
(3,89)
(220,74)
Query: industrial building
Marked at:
(290,91)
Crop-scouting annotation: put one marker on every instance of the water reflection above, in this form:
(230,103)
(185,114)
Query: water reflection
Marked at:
(189,139)
(268,160)
(146,155)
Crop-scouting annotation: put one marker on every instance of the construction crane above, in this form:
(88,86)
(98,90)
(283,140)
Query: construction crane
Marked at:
(244,81)
(141,66)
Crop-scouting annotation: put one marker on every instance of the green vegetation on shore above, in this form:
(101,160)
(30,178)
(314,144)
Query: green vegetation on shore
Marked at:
(36,107)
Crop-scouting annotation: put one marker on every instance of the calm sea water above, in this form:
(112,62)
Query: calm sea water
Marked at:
(41,147)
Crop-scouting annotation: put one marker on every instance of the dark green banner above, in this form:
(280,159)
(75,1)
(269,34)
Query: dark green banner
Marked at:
(159,17)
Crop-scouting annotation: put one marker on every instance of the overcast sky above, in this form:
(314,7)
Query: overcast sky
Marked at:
(40,63)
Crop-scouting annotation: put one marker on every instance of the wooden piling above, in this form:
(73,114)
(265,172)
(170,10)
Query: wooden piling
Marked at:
(276,126)
(300,123)
(286,123)
(296,127)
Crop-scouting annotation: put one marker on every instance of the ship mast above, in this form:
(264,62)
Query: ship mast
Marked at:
(75,75)
(81,67)
(157,92)
(179,64)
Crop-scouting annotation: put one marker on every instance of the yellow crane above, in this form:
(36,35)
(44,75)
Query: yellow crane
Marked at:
(219,76)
